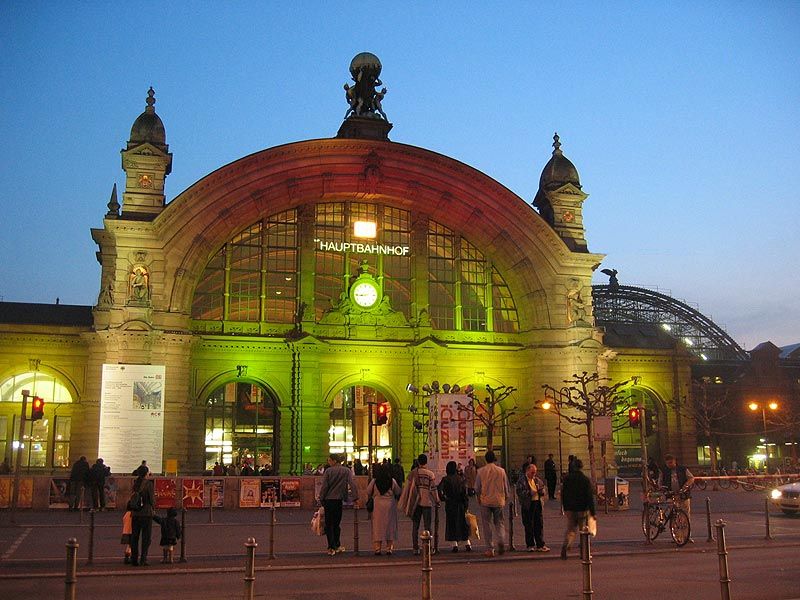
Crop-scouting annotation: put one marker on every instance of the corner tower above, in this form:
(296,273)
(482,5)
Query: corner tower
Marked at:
(560,199)
(147,162)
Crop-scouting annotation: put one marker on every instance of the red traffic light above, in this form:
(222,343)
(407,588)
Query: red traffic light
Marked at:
(633,417)
(37,408)
(383,414)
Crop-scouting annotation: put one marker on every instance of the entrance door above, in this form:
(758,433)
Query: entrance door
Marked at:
(361,419)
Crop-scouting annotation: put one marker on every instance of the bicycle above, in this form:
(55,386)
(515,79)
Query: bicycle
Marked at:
(701,484)
(656,515)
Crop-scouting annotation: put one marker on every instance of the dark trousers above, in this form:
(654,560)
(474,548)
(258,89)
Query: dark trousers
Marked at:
(76,491)
(141,527)
(420,513)
(534,524)
(333,522)
(98,495)
(550,479)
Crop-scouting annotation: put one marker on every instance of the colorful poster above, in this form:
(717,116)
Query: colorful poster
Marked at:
(192,493)
(6,485)
(59,492)
(25,493)
(270,492)
(132,416)
(452,431)
(249,493)
(165,493)
(290,491)
(215,493)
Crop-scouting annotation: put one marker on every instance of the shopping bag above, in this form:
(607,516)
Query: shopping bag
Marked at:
(472,523)
(318,521)
(591,524)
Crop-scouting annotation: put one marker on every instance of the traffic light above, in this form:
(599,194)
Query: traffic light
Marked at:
(633,417)
(37,408)
(383,414)
(650,423)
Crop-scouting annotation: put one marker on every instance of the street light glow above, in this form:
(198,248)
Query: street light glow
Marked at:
(753,406)
(773,405)
(546,405)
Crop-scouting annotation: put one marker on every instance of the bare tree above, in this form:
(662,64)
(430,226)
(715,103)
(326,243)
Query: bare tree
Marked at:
(708,409)
(488,411)
(584,398)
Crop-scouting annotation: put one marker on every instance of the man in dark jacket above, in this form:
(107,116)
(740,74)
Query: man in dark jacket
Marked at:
(97,483)
(577,497)
(142,518)
(550,476)
(78,479)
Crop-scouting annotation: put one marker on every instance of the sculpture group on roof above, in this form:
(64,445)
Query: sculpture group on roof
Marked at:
(364,97)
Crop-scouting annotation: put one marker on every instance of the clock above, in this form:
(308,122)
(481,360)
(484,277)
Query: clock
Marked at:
(568,216)
(365,294)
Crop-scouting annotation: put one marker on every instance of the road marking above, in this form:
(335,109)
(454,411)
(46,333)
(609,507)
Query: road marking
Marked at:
(16,543)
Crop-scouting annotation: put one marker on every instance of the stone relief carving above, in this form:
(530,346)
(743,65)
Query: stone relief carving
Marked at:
(577,307)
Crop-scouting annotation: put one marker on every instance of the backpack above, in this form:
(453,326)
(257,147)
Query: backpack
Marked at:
(136,503)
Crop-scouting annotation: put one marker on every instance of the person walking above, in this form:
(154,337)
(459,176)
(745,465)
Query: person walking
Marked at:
(125,539)
(78,480)
(97,484)
(578,502)
(384,491)
(550,476)
(398,473)
(141,505)
(491,488)
(530,491)
(422,481)
(453,493)
(338,483)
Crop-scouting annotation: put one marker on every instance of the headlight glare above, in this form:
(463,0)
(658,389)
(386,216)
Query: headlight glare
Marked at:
(776,494)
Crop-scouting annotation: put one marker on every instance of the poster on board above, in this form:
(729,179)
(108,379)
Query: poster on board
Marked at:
(270,492)
(249,493)
(166,493)
(192,493)
(452,436)
(132,416)
(290,492)
(59,492)
(214,493)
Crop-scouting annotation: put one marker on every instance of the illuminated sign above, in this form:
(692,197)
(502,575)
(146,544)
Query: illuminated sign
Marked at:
(360,248)
(365,229)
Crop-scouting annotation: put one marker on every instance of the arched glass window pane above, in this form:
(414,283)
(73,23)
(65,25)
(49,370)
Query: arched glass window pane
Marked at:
(38,384)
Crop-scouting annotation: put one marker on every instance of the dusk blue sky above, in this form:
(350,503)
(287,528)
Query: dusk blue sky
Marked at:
(681,117)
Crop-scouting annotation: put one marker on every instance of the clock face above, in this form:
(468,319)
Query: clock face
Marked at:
(365,294)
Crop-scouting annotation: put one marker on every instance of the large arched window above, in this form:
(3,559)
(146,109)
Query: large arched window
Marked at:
(242,423)
(253,279)
(45,442)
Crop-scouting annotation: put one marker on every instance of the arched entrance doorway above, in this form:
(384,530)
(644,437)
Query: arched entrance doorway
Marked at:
(361,424)
(627,440)
(242,426)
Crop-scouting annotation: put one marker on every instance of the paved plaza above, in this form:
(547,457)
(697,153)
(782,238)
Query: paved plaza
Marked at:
(33,557)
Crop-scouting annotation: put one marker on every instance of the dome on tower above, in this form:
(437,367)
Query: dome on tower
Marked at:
(148,128)
(559,170)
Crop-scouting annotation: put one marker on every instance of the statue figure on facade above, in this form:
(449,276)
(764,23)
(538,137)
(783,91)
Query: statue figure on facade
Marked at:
(139,285)
(576,306)
(106,297)
(613,282)
(364,96)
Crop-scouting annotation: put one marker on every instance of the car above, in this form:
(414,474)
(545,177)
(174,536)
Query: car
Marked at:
(787,498)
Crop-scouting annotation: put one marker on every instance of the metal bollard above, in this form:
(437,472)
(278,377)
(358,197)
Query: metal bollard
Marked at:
(90,558)
(512,512)
(71,580)
(211,510)
(355,529)
(425,538)
(272,533)
(586,560)
(768,535)
(436,530)
(250,569)
(708,519)
(722,551)
(183,536)
(80,505)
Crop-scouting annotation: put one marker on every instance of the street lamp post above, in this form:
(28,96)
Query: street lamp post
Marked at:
(773,406)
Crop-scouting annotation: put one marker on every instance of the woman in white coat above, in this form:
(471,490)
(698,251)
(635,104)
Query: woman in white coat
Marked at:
(384,492)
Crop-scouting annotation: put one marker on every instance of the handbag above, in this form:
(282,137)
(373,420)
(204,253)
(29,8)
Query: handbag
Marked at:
(370,505)
(472,524)
(318,521)
(591,525)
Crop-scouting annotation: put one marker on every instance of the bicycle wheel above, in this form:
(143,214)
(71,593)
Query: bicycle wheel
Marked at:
(734,483)
(700,484)
(724,484)
(651,521)
(680,527)
(748,485)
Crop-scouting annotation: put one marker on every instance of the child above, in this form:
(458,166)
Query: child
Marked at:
(127,529)
(170,533)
